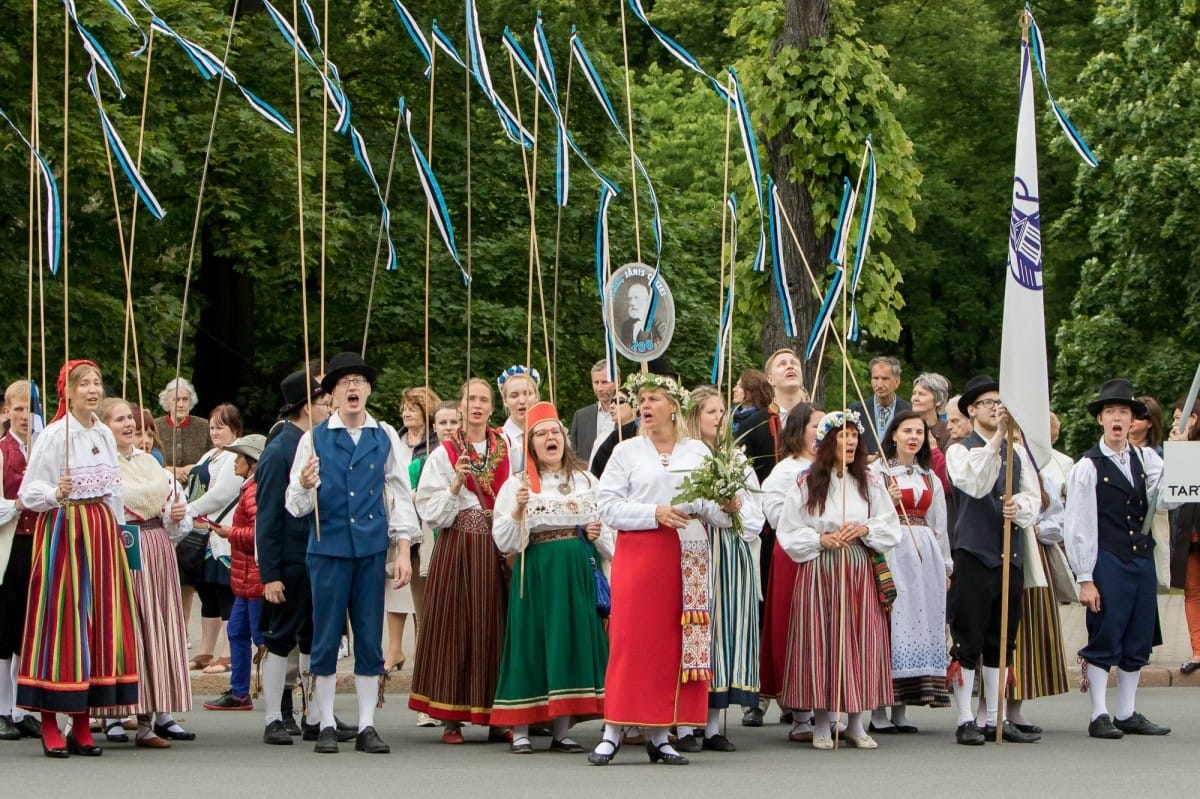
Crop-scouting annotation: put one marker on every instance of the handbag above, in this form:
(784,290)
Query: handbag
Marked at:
(885,585)
(189,555)
(602,588)
(1066,590)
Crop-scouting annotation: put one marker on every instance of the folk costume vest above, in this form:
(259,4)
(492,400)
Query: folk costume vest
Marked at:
(980,525)
(350,502)
(14,472)
(1121,508)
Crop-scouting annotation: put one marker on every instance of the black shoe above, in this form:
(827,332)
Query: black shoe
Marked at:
(8,730)
(565,745)
(345,733)
(29,726)
(521,745)
(227,701)
(890,729)
(787,717)
(656,754)
(968,734)
(1189,667)
(1011,734)
(289,724)
(718,743)
(164,731)
(597,759)
(76,748)
(56,752)
(753,717)
(1137,724)
(327,741)
(1102,727)
(369,741)
(689,743)
(114,733)
(1033,728)
(276,734)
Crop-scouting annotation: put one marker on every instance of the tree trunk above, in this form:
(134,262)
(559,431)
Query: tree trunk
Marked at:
(803,20)
(224,339)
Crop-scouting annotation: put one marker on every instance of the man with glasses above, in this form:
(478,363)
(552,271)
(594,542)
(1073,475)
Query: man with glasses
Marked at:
(976,467)
(624,419)
(590,426)
(342,471)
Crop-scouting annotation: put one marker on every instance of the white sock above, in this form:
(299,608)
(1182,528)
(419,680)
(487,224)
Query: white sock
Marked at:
(1097,690)
(1013,711)
(165,720)
(962,695)
(323,690)
(610,739)
(8,690)
(879,717)
(658,736)
(855,727)
(991,693)
(17,713)
(559,727)
(899,715)
(305,663)
(820,724)
(1127,683)
(520,731)
(683,731)
(713,725)
(274,674)
(366,687)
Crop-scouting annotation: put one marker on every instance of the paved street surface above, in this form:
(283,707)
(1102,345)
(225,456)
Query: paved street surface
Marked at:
(228,759)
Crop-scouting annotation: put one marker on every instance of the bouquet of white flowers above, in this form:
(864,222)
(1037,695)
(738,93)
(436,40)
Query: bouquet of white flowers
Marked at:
(720,476)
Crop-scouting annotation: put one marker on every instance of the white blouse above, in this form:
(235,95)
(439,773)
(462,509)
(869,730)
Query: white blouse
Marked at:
(436,504)
(548,510)
(935,517)
(779,482)
(93,462)
(635,483)
(799,532)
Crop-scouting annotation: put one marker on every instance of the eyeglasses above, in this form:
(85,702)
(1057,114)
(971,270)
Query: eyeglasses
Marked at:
(990,402)
(618,401)
(351,381)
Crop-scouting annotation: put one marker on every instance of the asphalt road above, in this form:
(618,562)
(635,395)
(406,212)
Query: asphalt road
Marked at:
(229,760)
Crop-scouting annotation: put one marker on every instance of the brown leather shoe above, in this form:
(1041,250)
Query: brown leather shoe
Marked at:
(151,742)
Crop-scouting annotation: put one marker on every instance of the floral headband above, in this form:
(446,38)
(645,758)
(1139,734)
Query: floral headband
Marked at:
(642,381)
(515,370)
(836,421)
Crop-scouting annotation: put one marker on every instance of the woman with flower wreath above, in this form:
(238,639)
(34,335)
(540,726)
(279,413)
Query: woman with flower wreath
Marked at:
(838,516)
(734,570)
(658,665)
(466,599)
(518,387)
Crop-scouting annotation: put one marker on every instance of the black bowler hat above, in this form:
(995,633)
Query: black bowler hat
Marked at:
(1116,392)
(346,363)
(296,389)
(974,389)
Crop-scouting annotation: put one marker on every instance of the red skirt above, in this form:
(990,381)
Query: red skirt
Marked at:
(642,684)
(777,617)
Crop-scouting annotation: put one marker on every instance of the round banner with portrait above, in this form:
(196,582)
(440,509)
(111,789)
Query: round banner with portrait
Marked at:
(641,316)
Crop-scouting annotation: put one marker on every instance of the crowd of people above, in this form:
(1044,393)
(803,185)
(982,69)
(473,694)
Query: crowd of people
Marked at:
(852,564)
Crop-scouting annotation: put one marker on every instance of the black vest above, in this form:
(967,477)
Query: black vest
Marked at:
(980,525)
(1121,508)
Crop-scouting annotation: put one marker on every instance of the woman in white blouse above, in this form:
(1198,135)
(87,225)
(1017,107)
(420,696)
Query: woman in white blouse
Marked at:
(518,393)
(658,665)
(555,650)
(80,629)
(838,516)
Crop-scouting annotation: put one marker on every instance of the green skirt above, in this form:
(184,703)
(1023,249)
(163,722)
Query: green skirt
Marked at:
(555,648)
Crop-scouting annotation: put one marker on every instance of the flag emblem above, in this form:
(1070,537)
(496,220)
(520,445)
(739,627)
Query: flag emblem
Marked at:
(1025,238)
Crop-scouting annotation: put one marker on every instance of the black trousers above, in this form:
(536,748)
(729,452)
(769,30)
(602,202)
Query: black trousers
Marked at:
(975,622)
(14,596)
(289,624)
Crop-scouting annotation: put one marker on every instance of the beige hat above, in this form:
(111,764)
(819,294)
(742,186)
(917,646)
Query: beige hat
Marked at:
(251,446)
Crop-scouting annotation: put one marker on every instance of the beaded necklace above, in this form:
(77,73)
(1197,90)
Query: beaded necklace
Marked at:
(483,467)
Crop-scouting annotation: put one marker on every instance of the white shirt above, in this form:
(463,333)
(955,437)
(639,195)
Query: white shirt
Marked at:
(1081,524)
(93,474)
(402,517)
(935,516)
(778,484)
(548,510)
(635,483)
(514,437)
(800,532)
(975,471)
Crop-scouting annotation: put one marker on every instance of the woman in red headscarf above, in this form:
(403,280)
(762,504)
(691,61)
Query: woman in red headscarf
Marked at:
(80,634)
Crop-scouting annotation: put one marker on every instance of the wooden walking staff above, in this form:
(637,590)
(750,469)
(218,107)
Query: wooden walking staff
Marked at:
(1005,569)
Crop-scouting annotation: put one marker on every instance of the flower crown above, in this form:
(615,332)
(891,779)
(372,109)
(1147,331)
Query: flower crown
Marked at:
(515,370)
(640,381)
(836,421)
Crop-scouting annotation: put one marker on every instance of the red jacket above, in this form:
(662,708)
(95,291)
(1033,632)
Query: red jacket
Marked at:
(244,578)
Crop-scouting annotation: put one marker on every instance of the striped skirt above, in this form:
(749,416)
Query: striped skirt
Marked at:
(461,637)
(80,643)
(163,682)
(1039,666)
(839,656)
(555,649)
(735,633)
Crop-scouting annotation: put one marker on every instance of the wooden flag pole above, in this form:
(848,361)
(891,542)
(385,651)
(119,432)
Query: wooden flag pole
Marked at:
(1005,570)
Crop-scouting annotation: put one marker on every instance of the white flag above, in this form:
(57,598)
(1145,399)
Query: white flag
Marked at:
(1024,386)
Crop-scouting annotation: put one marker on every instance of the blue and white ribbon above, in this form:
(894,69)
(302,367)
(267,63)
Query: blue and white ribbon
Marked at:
(417,35)
(674,48)
(433,193)
(864,236)
(513,128)
(53,219)
(725,324)
(1039,60)
(750,146)
(841,232)
(825,315)
(546,77)
(607,193)
(443,43)
(779,267)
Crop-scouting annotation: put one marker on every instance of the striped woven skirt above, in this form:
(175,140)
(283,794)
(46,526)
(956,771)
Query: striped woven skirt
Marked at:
(555,649)
(777,616)
(163,682)
(80,644)
(1039,666)
(839,656)
(735,633)
(461,638)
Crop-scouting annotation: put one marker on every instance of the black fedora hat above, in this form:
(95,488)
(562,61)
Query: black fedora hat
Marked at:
(346,363)
(976,387)
(296,389)
(1118,391)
